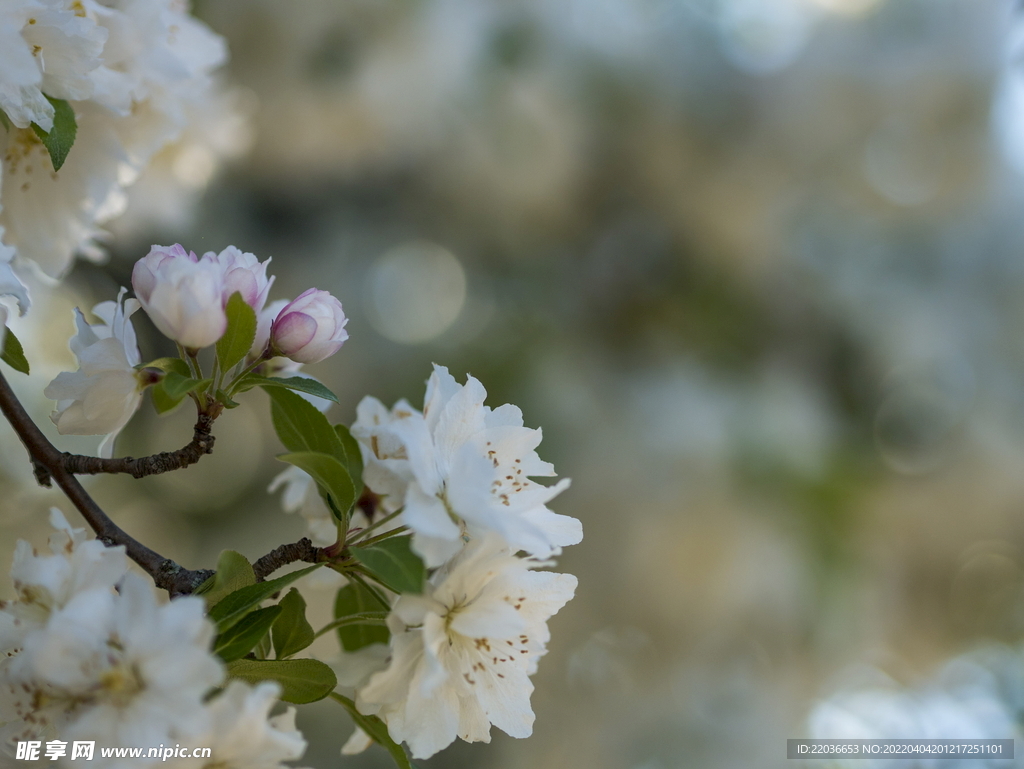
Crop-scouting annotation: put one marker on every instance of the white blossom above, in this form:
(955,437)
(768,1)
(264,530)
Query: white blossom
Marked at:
(10,285)
(239,733)
(182,294)
(135,74)
(462,653)
(466,470)
(309,328)
(106,391)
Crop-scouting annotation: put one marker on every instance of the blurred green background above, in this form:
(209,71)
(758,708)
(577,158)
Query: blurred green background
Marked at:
(756,267)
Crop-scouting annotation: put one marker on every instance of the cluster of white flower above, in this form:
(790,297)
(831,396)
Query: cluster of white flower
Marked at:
(462,653)
(185,296)
(83,660)
(134,74)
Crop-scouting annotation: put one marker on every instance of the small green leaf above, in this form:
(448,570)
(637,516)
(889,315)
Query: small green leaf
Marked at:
(377,731)
(393,560)
(240,333)
(233,573)
(13,353)
(292,633)
(177,386)
(61,137)
(352,600)
(300,426)
(239,639)
(6,121)
(162,402)
(329,474)
(301,681)
(177,365)
(236,605)
(354,457)
(302,384)
(225,400)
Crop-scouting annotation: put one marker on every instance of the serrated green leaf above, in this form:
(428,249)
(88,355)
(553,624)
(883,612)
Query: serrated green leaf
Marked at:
(177,365)
(292,632)
(329,474)
(13,354)
(302,384)
(239,639)
(394,561)
(377,731)
(301,681)
(59,139)
(353,456)
(236,605)
(177,386)
(240,333)
(300,426)
(352,600)
(233,573)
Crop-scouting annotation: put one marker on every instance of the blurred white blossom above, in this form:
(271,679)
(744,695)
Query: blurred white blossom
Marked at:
(135,73)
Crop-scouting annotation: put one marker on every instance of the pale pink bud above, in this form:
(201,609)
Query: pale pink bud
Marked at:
(181,295)
(310,328)
(243,273)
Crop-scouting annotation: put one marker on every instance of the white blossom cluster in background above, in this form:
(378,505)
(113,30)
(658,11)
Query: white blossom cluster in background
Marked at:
(89,653)
(976,696)
(137,74)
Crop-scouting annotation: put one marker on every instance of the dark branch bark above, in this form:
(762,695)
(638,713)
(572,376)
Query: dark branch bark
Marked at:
(48,463)
(303,550)
(201,443)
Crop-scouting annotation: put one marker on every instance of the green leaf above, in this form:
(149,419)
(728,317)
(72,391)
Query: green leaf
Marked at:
(59,139)
(177,386)
(239,639)
(329,474)
(240,333)
(13,353)
(393,560)
(300,426)
(292,633)
(177,365)
(224,399)
(300,384)
(301,681)
(233,573)
(354,457)
(377,730)
(162,402)
(6,121)
(236,605)
(354,599)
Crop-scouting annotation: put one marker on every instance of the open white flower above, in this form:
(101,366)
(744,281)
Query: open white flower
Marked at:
(106,390)
(462,653)
(10,285)
(466,470)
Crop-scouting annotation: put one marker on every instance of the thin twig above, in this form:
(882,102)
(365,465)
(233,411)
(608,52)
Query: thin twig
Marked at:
(167,574)
(303,550)
(201,444)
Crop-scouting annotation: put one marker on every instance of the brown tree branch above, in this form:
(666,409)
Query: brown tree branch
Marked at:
(303,550)
(201,443)
(48,463)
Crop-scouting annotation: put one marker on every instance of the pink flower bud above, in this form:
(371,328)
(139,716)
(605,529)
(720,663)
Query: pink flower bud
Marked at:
(243,273)
(182,295)
(310,328)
